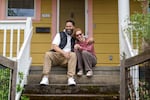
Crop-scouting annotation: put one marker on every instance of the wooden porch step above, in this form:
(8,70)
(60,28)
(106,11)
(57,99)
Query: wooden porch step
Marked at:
(78,89)
(104,85)
(63,70)
(65,92)
(71,97)
(102,75)
(62,79)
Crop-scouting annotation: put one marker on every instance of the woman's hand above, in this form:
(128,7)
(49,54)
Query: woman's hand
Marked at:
(90,40)
(77,47)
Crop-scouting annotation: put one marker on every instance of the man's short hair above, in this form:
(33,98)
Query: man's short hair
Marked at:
(69,20)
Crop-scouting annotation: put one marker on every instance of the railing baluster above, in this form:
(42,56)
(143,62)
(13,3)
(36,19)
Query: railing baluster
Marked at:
(4,42)
(18,41)
(131,39)
(137,40)
(11,42)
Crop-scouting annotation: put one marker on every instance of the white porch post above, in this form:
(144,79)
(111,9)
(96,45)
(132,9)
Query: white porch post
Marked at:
(123,14)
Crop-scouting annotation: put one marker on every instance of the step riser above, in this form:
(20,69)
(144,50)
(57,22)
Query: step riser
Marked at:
(63,70)
(64,89)
(62,79)
(73,98)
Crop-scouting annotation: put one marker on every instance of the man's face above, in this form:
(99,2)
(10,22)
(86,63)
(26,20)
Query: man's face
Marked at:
(69,28)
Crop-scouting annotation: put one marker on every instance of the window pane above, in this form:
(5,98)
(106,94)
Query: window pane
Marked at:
(20,8)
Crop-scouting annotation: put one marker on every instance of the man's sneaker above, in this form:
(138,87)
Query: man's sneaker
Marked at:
(44,81)
(71,82)
(89,73)
(80,73)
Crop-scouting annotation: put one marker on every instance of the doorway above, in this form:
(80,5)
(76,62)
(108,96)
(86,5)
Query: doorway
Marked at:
(72,9)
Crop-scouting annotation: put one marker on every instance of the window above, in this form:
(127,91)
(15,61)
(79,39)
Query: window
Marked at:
(20,8)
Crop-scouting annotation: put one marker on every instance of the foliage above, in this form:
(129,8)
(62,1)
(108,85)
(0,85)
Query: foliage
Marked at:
(4,83)
(24,98)
(19,88)
(140,23)
(144,90)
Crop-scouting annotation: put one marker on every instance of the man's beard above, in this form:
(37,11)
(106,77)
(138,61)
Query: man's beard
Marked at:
(69,32)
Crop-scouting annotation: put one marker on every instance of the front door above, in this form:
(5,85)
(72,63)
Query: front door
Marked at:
(72,9)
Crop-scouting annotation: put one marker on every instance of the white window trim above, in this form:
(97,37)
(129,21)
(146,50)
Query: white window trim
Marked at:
(17,17)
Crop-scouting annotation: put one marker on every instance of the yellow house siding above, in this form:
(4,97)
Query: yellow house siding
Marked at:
(105,32)
(41,42)
(105,28)
(8,41)
(135,6)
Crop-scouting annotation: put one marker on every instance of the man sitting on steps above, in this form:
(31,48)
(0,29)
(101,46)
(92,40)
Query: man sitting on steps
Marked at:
(62,54)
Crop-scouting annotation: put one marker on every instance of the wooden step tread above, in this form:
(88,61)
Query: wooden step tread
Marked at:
(78,92)
(70,86)
(63,70)
(71,97)
(78,89)
(62,79)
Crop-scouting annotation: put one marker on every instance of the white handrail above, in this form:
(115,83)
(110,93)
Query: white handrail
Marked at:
(131,49)
(22,56)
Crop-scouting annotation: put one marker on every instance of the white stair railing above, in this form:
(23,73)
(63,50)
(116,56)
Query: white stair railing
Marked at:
(131,48)
(17,48)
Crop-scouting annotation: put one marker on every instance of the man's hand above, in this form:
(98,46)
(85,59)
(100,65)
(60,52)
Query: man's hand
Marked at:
(66,55)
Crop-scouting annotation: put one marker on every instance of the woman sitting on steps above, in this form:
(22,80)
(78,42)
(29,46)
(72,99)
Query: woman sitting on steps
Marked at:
(86,58)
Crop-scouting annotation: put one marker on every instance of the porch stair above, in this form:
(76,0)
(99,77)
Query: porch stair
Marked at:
(104,85)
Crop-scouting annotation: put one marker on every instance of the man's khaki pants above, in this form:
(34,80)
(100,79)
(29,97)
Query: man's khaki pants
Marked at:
(54,59)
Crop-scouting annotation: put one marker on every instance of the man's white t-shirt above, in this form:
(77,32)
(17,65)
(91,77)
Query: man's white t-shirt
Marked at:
(56,41)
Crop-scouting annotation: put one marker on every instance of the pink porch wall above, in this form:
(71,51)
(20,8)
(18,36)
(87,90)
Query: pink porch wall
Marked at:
(54,18)
(38,10)
(2,9)
(90,18)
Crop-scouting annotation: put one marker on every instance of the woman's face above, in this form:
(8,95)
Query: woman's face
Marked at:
(79,36)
